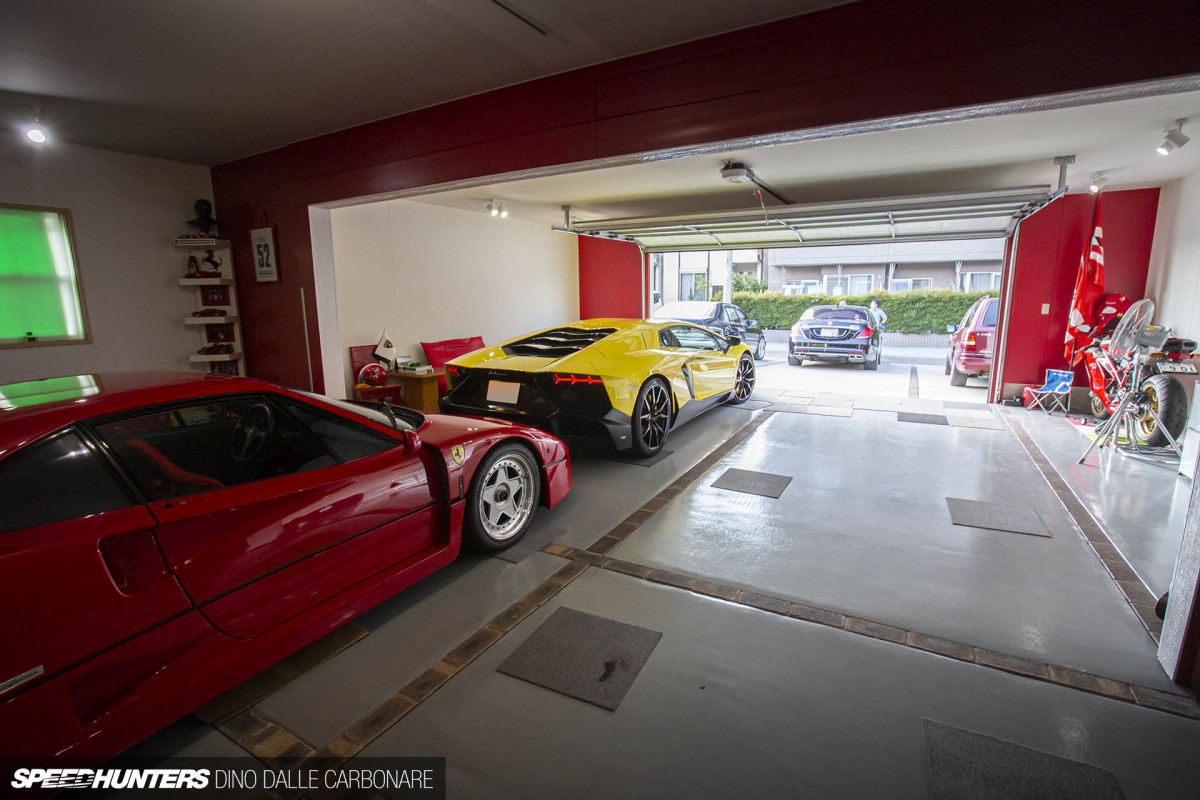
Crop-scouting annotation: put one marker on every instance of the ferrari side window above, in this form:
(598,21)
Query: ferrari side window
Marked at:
(209,445)
(667,338)
(345,439)
(56,480)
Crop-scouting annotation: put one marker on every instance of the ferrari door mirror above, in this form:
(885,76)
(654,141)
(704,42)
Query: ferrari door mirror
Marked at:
(412,443)
(733,339)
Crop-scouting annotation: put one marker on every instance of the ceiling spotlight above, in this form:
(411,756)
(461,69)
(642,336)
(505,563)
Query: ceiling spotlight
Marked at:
(1098,183)
(1174,139)
(492,208)
(35,132)
(503,211)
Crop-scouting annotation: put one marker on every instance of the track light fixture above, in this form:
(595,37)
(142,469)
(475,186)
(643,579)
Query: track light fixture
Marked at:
(496,209)
(1174,139)
(1099,181)
(35,132)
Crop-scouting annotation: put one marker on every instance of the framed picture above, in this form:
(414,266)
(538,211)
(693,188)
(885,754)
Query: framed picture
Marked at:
(214,295)
(262,241)
(224,367)
(219,333)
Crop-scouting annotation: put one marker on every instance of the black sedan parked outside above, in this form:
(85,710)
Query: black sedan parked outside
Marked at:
(725,319)
(836,333)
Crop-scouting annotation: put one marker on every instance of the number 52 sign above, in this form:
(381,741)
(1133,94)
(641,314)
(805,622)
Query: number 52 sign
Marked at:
(266,269)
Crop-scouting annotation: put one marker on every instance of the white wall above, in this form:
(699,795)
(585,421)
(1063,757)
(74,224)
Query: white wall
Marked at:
(1173,281)
(126,210)
(426,273)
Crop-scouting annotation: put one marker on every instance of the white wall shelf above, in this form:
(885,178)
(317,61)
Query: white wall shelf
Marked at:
(197,358)
(207,281)
(226,301)
(210,320)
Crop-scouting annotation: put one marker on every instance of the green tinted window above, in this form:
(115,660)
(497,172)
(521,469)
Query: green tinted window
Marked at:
(39,287)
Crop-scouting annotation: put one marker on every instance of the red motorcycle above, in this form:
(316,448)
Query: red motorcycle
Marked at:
(1112,360)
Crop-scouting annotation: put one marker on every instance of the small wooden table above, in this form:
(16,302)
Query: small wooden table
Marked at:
(420,391)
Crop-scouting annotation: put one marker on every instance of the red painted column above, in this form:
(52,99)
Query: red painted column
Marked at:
(1049,248)
(611,274)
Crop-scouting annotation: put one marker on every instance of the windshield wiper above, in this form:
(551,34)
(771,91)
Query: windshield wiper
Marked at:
(386,408)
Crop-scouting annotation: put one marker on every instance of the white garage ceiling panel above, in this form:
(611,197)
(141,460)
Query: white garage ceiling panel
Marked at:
(971,215)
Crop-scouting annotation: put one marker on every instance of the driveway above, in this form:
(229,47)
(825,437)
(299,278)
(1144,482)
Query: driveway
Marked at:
(894,378)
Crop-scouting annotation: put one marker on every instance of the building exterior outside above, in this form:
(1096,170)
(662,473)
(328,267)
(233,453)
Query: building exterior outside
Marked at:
(971,265)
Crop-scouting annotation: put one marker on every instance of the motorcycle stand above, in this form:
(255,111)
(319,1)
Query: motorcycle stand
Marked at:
(1133,405)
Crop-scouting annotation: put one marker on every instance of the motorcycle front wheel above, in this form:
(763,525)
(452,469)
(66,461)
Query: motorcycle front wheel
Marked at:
(1166,396)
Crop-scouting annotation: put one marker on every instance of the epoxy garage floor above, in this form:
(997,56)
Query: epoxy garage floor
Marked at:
(843,639)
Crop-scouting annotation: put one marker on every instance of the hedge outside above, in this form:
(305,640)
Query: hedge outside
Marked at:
(908,312)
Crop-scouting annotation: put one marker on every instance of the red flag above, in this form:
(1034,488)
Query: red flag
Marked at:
(1089,285)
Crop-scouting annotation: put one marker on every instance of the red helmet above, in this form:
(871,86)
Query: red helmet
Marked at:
(1108,310)
(373,375)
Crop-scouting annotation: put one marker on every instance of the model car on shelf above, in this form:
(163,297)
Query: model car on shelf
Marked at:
(725,319)
(969,351)
(836,333)
(216,350)
(178,533)
(210,312)
(633,381)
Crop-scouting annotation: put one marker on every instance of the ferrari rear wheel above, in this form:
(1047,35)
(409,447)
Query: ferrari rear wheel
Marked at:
(651,418)
(503,496)
(743,384)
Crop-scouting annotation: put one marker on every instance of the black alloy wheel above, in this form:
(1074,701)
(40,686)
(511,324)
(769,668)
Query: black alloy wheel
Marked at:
(743,384)
(651,418)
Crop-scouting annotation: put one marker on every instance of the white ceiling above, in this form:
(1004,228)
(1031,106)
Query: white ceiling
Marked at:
(213,81)
(1118,138)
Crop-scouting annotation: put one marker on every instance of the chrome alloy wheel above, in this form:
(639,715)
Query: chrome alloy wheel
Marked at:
(506,502)
(743,385)
(655,416)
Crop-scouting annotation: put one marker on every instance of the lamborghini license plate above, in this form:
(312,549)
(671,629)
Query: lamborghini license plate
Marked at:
(1188,368)
(503,392)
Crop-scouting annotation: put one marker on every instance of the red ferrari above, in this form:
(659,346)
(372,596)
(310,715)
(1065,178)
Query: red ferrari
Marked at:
(165,536)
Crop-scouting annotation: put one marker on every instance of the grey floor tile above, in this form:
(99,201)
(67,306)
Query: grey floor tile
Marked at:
(996,517)
(751,482)
(593,659)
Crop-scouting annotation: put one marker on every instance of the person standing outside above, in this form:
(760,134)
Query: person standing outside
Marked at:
(879,315)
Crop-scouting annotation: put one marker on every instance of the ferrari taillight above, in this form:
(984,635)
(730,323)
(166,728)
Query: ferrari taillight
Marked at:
(573,380)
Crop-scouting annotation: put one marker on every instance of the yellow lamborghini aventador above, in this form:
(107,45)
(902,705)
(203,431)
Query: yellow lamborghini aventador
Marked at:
(635,380)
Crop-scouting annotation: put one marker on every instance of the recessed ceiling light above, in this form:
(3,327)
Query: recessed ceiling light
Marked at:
(36,134)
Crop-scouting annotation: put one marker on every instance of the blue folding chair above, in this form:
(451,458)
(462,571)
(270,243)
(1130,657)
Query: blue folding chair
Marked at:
(1055,393)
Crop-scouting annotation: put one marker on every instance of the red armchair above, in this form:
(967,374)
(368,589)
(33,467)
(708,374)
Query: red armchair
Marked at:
(438,353)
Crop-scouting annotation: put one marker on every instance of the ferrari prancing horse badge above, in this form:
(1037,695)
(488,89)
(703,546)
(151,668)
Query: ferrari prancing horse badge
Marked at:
(458,453)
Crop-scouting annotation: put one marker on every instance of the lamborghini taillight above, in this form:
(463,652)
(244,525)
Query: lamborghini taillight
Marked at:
(576,380)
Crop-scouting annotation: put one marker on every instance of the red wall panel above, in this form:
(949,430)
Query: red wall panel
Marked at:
(610,278)
(1049,248)
(859,61)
